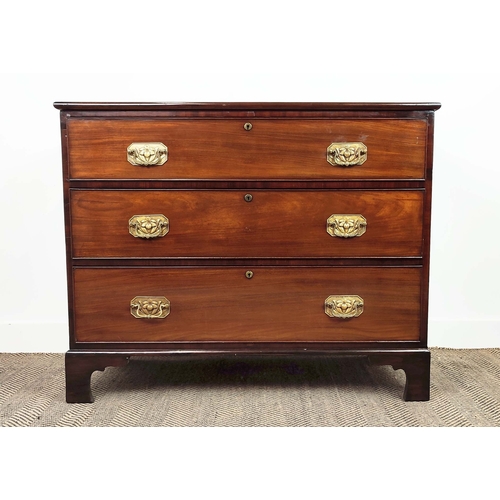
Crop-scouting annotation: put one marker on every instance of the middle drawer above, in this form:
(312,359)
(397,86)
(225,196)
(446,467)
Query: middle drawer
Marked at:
(253,224)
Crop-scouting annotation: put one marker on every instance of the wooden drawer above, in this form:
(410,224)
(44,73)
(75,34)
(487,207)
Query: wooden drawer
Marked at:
(222,304)
(223,224)
(222,149)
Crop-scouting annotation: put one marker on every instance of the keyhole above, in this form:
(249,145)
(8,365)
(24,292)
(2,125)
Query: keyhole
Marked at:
(248,197)
(248,126)
(249,274)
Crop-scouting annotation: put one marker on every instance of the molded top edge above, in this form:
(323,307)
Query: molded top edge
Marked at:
(268,106)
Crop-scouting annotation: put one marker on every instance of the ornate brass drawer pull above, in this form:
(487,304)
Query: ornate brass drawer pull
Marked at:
(147,154)
(346,154)
(344,306)
(150,307)
(148,226)
(346,225)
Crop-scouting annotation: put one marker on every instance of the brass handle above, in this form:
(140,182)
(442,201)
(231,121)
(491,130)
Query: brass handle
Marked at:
(148,226)
(346,225)
(150,307)
(147,154)
(346,154)
(344,306)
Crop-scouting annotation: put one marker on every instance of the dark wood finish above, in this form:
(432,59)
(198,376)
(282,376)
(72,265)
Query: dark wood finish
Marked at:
(417,367)
(222,149)
(221,304)
(222,224)
(263,262)
(79,368)
(80,364)
(410,355)
(237,348)
(317,185)
(426,243)
(223,107)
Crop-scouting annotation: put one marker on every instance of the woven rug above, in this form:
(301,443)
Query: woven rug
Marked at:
(248,392)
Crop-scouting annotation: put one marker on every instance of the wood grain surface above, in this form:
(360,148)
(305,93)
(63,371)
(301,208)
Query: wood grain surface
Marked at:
(222,149)
(225,108)
(222,304)
(216,236)
(222,224)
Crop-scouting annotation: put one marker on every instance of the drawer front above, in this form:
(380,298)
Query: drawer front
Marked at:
(224,224)
(223,149)
(275,304)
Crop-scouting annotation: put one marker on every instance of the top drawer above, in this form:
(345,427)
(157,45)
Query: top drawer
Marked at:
(220,149)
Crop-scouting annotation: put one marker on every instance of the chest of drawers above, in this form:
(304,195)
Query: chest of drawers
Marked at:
(247,228)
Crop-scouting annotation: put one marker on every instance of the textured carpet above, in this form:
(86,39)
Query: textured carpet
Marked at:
(247,392)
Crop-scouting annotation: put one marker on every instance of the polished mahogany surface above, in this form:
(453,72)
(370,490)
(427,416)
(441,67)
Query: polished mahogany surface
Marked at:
(223,149)
(217,234)
(288,108)
(222,304)
(220,223)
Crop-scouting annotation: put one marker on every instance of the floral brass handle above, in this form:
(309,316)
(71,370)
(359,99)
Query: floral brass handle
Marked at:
(344,306)
(147,154)
(346,154)
(150,307)
(346,225)
(148,226)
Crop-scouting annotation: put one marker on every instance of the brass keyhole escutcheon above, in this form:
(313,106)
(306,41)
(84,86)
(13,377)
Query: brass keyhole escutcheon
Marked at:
(248,126)
(249,274)
(248,197)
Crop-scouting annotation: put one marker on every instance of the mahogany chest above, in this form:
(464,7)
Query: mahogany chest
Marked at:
(247,228)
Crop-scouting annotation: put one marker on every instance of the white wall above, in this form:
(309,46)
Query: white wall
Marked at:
(253,53)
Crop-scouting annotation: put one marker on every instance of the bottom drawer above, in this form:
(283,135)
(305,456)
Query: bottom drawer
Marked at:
(226,304)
